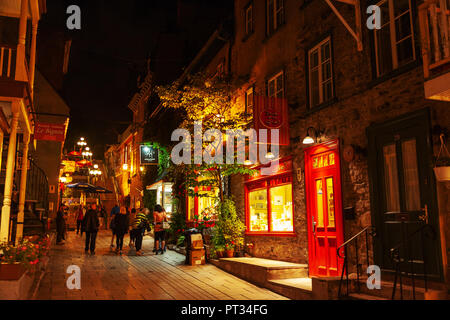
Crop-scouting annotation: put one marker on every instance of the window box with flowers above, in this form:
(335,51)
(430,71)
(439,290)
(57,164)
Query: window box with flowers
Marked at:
(26,256)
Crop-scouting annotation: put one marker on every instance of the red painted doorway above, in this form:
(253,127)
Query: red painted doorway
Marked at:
(324,208)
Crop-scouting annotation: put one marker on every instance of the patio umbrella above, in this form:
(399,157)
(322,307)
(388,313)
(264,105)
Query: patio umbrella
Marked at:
(102,190)
(86,187)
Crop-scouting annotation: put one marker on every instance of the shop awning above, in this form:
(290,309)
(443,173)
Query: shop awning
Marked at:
(158,179)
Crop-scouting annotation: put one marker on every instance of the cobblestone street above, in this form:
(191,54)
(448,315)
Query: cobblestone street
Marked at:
(107,276)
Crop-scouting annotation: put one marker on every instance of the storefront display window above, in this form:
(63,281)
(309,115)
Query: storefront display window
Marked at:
(163,195)
(203,204)
(281,208)
(269,202)
(258,210)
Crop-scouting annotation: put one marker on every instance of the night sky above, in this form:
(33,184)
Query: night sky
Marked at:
(111,51)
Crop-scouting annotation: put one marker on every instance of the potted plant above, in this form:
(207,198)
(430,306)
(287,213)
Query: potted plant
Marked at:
(220,251)
(230,226)
(442,169)
(229,250)
(442,164)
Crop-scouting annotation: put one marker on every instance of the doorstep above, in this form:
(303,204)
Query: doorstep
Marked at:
(286,278)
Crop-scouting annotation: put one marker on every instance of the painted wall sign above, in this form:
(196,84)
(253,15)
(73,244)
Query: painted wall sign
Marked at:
(49,132)
(149,155)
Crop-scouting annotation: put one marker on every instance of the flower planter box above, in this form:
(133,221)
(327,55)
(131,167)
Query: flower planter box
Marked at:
(11,272)
(442,173)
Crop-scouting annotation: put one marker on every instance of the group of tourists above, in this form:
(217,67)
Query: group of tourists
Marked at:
(136,223)
(122,222)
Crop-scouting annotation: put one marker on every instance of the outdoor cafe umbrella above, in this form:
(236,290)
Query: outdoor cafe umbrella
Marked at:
(88,188)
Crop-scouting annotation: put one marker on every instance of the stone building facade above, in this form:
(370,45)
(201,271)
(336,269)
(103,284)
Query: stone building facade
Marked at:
(361,98)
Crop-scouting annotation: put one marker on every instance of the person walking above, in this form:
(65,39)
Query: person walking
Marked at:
(121,225)
(132,233)
(140,224)
(115,210)
(60,225)
(92,224)
(80,216)
(159,216)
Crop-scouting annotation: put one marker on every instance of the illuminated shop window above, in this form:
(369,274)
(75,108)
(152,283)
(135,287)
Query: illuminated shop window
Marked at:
(163,195)
(271,208)
(281,208)
(258,210)
(203,204)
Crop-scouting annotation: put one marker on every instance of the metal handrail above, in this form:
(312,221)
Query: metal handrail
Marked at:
(369,230)
(395,256)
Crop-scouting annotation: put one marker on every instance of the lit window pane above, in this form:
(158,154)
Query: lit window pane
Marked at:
(281,208)
(330,202)
(319,203)
(391,178)
(411,173)
(258,210)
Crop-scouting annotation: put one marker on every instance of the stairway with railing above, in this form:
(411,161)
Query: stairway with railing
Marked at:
(365,236)
(36,198)
(404,262)
(409,282)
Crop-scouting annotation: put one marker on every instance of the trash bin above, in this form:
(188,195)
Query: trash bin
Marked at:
(188,242)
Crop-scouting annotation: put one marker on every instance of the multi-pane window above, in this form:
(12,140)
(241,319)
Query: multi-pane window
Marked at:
(394,42)
(249,19)
(249,101)
(275,86)
(275,15)
(320,73)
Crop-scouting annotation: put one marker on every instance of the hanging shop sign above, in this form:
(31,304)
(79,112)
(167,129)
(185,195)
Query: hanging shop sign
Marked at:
(49,132)
(69,166)
(272,113)
(149,155)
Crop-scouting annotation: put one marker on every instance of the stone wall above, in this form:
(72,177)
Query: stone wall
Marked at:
(360,101)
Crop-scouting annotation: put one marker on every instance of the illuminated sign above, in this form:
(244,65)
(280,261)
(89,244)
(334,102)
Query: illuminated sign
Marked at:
(149,154)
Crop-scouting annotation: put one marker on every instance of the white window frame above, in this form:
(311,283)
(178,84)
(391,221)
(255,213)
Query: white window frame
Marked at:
(275,79)
(275,15)
(249,20)
(321,62)
(392,33)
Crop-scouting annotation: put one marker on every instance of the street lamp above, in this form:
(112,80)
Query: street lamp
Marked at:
(81,143)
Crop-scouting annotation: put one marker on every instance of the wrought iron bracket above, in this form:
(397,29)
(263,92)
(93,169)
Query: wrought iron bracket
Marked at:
(357,33)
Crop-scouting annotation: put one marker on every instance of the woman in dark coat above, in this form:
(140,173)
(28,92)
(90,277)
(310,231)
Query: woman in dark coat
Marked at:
(60,225)
(121,225)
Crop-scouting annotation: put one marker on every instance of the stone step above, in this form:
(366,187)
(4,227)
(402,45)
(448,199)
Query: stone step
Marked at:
(261,271)
(435,291)
(362,296)
(293,288)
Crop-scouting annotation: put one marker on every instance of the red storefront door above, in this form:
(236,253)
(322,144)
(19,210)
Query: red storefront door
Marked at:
(324,207)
